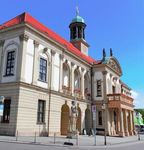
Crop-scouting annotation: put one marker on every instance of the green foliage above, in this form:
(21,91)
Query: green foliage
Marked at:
(140,111)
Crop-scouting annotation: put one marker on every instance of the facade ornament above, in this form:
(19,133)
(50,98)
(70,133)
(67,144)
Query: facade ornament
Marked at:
(104,55)
(45,50)
(104,72)
(36,44)
(111,52)
(82,69)
(61,56)
(72,63)
(24,37)
(2,42)
(53,52)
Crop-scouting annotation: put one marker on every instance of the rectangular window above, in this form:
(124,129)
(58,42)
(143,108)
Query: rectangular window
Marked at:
(99,91)
(114,89)
(6,111)
(10,63)
(99,117)
(43,70)
(41,111)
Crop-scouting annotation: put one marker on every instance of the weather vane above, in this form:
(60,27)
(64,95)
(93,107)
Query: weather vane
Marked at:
(77,10)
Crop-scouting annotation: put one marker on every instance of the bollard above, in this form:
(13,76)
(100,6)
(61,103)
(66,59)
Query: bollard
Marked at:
(77,139)
(54,138)
(35,138)
(17,136)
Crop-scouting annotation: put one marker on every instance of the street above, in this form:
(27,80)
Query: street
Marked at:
(18,146)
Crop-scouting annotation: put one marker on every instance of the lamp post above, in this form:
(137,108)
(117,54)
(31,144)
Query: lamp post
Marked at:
(105,117)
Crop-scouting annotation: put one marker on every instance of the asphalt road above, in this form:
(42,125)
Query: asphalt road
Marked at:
(139,145)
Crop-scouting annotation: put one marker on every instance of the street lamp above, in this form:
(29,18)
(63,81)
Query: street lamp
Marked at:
(105,116)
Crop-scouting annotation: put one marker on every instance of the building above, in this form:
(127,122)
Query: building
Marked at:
(41,74)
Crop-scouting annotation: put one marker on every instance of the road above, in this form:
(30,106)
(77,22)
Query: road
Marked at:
(139,145)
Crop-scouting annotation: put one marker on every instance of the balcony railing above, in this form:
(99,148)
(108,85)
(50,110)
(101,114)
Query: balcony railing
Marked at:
(78,94)
(121,98)
(66,90)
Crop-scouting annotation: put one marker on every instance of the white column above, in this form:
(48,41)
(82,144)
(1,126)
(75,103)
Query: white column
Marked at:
(1,57)
(72,78)
(52,69)
(82,82)
(22,57)
(35,63)
(61,56)
(126,123)
(121,123)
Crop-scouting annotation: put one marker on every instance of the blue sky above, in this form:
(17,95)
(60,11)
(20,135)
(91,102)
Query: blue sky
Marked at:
(116,24)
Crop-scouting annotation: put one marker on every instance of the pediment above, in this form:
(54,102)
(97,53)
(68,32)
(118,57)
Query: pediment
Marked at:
(114,64)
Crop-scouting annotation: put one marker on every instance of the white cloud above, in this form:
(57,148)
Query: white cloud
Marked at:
(138,99)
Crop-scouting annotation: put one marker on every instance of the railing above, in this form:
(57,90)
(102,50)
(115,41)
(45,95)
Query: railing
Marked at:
(120,97)
(66,90)
(78,94)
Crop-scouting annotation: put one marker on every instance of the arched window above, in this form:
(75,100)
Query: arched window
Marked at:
(77,80)
(86,85)
(66,75)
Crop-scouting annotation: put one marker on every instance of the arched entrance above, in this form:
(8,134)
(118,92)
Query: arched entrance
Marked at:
(88,122)
(78,125)
(64,119)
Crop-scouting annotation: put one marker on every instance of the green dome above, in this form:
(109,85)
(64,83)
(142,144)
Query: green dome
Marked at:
(78,19)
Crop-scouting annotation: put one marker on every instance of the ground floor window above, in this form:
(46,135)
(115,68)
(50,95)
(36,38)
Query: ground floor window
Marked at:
(41,111)
(99,117)
(6,111)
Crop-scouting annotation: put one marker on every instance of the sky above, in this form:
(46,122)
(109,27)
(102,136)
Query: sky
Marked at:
(116,24)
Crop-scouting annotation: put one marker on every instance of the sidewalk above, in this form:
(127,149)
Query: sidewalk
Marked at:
(83,140)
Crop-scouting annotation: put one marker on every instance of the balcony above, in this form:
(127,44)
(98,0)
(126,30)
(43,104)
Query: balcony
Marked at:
(78,94)
(120,101)
(66,90)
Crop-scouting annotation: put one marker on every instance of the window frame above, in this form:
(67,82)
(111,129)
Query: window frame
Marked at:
(100,118)
(43,72)
(41,113)
(12,60)
(6,111)
(99,86)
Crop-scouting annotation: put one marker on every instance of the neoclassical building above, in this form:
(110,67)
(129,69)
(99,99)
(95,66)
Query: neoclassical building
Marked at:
(41,74)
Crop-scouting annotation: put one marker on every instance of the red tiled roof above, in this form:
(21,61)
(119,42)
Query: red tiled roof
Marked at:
(26,18)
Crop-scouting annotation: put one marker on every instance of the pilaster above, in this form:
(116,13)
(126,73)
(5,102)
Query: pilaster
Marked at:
(52,69)
(1,57)
(61,56)
(22,57)
(35,63)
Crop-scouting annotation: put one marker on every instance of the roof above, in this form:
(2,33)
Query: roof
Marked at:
(26,18)
(125,85)
(78,19)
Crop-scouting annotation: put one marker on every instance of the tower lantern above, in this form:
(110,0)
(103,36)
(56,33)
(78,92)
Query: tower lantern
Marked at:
(77,33)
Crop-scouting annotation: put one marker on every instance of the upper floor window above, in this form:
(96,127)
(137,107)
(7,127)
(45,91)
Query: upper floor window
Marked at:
(10,63)
(43,70)
(113,89)
(99,88)
(41,111)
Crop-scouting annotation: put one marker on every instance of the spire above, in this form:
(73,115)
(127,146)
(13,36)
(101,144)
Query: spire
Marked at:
(111,52)
(77,11)
(104,55)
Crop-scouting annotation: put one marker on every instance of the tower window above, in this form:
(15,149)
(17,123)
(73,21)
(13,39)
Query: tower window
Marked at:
(74,33)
